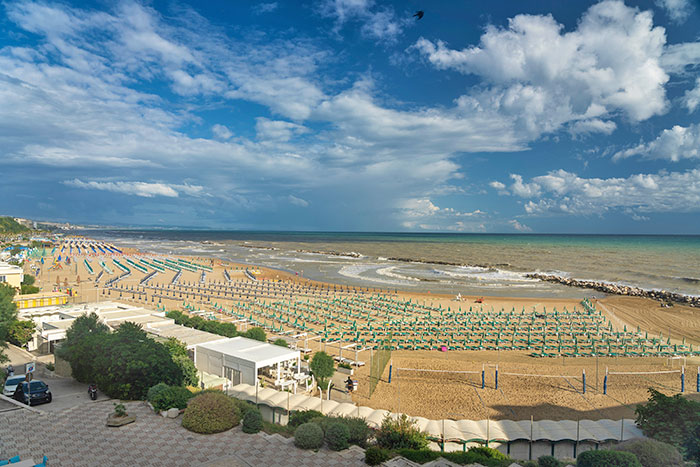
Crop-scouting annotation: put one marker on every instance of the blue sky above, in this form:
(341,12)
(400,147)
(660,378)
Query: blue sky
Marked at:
(518,116)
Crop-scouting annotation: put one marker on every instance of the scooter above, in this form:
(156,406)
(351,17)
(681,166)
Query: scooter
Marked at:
(92,391)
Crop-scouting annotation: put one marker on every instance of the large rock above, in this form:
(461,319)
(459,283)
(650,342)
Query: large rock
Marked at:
(113,420)
(173,413)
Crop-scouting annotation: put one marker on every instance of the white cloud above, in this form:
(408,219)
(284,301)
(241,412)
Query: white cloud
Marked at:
(545,78)
(298,201)
(678,10)
(691,99)
(678,58)
(524,190)
(518,226)
(143,189)
(566,193)
(221,131)
(377,23)
(674,145)
(265,8)
(594,125)
(277,130)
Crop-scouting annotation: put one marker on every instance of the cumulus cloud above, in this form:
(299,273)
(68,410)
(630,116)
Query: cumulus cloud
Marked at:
(277,130)
(691,99)
(423,214)
(143,189)
(679,58)
(518,226)
(524,190)
(221,131)
(562,192)
(677,10)
(546,78)
(674,145)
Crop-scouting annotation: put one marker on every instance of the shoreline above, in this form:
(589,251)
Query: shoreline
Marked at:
(620,289)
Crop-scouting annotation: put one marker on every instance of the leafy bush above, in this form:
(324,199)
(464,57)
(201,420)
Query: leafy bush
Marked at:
(155,391)
(358,429)
(252,422)
(375,455)
(478,455)
(337,435)
(211,412)
(308,436)
(549,461)
(607,459)
(169,397)
(652,453)
(420,456)
(303,416)
(280,342)
(673,420)
(244,407)
(257,334)
(400,433)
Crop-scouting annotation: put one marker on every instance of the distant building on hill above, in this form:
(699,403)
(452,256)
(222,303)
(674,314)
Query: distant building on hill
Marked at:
(10,274)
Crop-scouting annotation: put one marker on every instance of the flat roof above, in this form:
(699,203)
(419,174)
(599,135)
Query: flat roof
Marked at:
(260,353)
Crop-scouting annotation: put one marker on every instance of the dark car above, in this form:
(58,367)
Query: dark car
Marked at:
(32,393)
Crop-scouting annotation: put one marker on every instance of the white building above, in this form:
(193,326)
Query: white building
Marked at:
(240,360)
(10,274)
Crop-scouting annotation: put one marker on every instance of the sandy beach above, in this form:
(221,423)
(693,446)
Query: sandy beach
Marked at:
(419,393)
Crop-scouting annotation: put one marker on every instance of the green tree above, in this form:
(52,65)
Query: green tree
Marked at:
(128,363)
(323,368)
(281,343)
(27,285)
(180,355)
(8,315)
(256,333)
(79,349)
(674,420)
(21,332)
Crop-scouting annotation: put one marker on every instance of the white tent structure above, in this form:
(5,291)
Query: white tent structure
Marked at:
(521,439)
(239,359)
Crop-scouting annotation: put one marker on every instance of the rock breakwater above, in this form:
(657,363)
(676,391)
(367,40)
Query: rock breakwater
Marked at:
(619,289)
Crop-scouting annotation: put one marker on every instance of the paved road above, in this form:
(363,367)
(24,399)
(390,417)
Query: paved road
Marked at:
(79,437)
(65,392)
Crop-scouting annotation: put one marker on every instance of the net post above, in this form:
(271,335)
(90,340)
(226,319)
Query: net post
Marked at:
(483,376)
(584,381)
(391,366)
(496,378)
(683,379)
(697,382)
(605,381)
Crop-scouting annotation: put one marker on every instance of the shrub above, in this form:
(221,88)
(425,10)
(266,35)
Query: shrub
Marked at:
(478,455)
(244,407)
(252,422)
(400,433)
(549,461)
(308,436)
(420,456)
(155,391)
(169,397)
(375,455)
(607,459)
(211,412)
(652,453)
(303,416)
(359,430)
(337,435)
(280,342)
(50,366)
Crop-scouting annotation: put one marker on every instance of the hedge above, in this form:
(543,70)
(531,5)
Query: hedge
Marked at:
(308,436)
(375,455)
(606,458)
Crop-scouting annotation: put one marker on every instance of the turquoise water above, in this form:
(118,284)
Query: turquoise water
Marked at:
(493,264)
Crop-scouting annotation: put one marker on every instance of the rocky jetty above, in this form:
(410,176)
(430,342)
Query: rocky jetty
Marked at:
(346,254)
(619,289)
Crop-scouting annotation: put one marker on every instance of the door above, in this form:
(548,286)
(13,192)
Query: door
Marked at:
(232,375)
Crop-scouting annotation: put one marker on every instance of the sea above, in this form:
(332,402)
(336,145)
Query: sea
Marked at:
(467,264)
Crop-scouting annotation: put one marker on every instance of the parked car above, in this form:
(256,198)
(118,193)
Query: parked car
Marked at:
(32,393)
(11,385)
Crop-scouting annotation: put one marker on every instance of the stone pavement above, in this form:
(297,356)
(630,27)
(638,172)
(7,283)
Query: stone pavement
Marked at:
(79,437)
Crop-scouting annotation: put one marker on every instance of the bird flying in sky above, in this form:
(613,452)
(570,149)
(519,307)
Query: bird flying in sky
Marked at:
(419,14)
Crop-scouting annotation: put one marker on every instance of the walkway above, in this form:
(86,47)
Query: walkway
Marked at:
(79,437)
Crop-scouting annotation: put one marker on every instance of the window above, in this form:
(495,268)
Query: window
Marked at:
(3,279)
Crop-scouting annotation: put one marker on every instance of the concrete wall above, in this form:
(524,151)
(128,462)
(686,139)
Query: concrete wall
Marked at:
(62,367)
